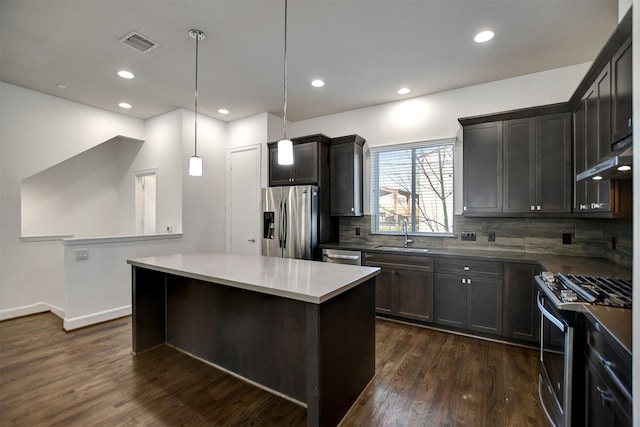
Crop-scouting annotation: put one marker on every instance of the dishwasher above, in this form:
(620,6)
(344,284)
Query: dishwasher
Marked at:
(340,256)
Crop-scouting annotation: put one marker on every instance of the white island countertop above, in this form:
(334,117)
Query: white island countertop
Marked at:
(309,281)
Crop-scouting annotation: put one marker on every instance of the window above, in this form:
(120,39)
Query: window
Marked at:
(413,182)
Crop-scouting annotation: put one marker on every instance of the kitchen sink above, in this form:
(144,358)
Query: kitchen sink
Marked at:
(402,249)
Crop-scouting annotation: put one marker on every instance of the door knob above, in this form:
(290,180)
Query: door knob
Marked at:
(251,240)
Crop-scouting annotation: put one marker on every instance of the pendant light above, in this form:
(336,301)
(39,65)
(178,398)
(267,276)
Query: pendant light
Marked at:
(195,162)
(285,146)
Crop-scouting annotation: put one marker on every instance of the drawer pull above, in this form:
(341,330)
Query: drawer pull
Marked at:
(605,396)
(608,366)
(466,268)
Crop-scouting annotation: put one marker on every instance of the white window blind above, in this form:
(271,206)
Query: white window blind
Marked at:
(413,182)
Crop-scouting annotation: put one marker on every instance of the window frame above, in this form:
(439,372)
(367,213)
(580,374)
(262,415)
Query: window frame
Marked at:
(375,185)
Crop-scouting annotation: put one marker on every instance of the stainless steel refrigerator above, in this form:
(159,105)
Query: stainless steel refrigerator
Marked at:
(290,221)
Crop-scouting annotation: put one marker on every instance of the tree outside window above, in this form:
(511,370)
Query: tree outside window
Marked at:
(413,182)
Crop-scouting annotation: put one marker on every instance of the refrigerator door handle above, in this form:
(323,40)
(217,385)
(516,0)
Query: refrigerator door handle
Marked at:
(284,224)
(280,225)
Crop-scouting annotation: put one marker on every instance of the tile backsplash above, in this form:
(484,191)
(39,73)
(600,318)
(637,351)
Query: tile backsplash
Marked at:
(604,238)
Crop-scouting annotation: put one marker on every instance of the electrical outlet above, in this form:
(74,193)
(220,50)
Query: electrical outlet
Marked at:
(82,254)
(566,238)
(491,236)
(468,236)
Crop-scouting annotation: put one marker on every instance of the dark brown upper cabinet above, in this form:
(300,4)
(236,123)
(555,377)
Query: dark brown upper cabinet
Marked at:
(537,164)
(621,66)
(482,168)
(310,162)
(345,160)
(518,166)
(592,141)
(602,111)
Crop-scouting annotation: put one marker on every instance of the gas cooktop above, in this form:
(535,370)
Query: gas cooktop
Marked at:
(570,292)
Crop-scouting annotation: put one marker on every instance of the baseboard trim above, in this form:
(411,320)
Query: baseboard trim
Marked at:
(27,310)
(70,324)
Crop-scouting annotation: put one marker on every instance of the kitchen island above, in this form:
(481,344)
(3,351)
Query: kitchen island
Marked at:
(303,330)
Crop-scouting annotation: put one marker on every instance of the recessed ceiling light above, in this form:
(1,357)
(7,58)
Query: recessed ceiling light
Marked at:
(317,83)
(404,91)
(223,111)
(597,178)
(624,168)
(483,36)
(126,74)
(61,86)
(124,105)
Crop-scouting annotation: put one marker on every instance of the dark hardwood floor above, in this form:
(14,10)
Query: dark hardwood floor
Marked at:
(89,377)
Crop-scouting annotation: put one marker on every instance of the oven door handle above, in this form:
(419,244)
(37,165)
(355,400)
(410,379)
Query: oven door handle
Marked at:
(548,315)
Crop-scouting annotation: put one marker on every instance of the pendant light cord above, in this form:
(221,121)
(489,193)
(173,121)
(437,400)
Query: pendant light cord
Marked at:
(196,101)
(285,70)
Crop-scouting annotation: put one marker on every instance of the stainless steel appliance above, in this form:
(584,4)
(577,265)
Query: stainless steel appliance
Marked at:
(290,221)
(560,300)
(340,256)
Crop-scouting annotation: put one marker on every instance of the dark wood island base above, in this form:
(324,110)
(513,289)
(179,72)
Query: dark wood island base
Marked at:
(319,355)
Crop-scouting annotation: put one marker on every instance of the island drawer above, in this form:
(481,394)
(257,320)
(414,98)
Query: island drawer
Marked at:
(469,267)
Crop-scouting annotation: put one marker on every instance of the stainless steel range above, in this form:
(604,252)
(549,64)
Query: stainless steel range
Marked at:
(561,299)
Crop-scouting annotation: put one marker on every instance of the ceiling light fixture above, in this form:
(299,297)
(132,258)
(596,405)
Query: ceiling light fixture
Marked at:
(126,74)
(195,162)
(125,105)
(597,178)
(483,36)
(317,83)
(285,146)
(403,91)
(624,168)
(223,111)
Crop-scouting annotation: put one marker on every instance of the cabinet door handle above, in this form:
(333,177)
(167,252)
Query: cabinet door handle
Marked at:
(466,268)
(251,240)
(538,208)
(583,207)
(464,281)
(629,122)
(533,208)
(468,281)
(605,396)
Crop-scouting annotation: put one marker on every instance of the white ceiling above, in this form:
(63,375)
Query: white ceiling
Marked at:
(364,49)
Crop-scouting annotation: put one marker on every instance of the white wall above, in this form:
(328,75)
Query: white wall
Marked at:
(203,198)
(78,196)
(37,132)
(162,151)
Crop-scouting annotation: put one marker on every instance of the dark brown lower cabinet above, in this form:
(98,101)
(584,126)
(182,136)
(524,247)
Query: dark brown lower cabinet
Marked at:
(405,293)
(414,295)
(520,314)
(384,291)
(472,303)
(602,405)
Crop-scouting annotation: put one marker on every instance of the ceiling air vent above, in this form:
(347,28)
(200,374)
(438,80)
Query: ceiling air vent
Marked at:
(139,42)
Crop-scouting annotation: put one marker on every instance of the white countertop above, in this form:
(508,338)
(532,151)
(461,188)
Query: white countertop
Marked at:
(309,281)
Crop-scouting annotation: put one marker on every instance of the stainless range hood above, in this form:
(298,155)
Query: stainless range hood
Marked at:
(616,165)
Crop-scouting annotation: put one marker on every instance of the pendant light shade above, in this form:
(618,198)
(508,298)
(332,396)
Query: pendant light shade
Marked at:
(195,166)
(285,146)
(195,162)
(285,152)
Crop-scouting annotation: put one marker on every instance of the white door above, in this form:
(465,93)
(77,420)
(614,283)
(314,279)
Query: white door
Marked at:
(243,198)
(146,202)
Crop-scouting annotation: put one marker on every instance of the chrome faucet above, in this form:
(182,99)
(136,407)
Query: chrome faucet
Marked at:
(405,230)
